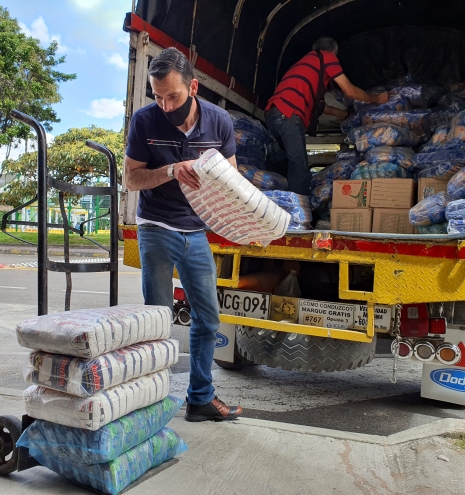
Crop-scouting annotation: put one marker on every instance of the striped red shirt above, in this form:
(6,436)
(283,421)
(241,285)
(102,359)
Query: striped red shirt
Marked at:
(296,92)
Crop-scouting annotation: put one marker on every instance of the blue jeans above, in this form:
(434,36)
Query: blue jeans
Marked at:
(160,251)
(290,134)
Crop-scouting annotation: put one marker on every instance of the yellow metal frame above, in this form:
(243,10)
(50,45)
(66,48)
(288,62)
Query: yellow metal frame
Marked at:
(398,279)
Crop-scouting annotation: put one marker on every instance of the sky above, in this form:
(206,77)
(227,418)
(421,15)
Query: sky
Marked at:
(89,33)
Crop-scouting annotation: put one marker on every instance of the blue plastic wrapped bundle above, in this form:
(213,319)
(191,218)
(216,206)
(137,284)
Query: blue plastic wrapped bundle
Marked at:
(441,117)
(250,161)
(379,171)
(321,195)
(442,170)
(456,210)
(456,185)
(114,476)
(247,139)
(388,154)
(351,155)
(255,152)
(430,211)
(437,141)
(415,120)
(459,119)
(367,137)
(421,95)
(297,205)
(243,122)
(456,226)
(351,122)
(337,171)
(423,160)
(76,445)
(454,101)
(262,179)
(434,229)
(396,103)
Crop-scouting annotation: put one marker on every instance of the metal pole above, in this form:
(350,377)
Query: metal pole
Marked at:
(42,207)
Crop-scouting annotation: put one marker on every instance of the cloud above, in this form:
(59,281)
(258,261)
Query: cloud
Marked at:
(105,108)
(123,39)
(39,30)
(115,59)
(87,4)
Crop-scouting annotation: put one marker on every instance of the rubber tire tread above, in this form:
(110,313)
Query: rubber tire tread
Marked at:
(304,353)
(13,424)
(240,362)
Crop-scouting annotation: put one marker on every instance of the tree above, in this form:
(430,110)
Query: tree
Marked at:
(29,81)
(69,160)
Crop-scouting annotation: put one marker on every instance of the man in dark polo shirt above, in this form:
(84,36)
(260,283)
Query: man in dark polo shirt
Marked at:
(164,140)
(298,102)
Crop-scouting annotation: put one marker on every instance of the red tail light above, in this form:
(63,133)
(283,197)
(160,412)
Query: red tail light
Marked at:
(414,320)
(179,294)
(437,326)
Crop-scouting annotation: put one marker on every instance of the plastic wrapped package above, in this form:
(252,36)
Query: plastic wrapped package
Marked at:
(351,122)
(86,377)
(255,152)
(75,445)
(297,205)
(250,161)
(421,95)
(90,333)
(337,171)
(456,226)
(434,229)
(443,170)
(262,179)
(438,139)
(351,155)
(379,171)
(454,101)
(388,154)
(231,206)
(114,476)
(456,210)
(367,137)
(415,120)
(91,413)
(424,160)
(456,185)
(459,119)
(430,211)
(396,103)
(247,139)
(441,117)
(457,132)
(243,122)
(321,195)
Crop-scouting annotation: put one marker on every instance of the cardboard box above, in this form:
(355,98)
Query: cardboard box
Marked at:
(351,193)
(428,187)
(392,221)
(351,220)
(392,193)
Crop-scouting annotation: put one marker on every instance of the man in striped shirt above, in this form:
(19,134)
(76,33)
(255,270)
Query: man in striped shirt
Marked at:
(298,101)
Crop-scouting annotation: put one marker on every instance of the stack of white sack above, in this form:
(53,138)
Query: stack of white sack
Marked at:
(91,368)
(233,207)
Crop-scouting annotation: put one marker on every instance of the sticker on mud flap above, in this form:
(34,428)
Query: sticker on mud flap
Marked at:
(382,317)
(326,314)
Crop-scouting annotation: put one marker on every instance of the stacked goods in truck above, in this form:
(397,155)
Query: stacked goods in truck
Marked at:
(297,205)
(264,180)
(369,136)
(432,210)
(455,214)
(96,373)
(231,206)
(365,170)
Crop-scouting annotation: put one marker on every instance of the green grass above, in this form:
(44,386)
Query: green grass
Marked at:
(56,239)
(460,442)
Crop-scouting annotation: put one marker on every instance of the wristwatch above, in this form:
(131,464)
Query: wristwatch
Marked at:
(170,171)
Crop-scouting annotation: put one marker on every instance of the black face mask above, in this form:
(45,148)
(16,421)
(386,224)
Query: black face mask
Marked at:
(178,117)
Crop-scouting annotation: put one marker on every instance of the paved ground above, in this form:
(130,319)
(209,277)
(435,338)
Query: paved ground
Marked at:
(345,433)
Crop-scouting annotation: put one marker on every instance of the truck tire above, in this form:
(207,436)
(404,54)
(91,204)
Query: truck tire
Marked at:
(304,353)
(10,431)
(240,362)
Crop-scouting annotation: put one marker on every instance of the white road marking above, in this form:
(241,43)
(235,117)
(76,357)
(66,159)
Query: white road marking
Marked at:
(8,287)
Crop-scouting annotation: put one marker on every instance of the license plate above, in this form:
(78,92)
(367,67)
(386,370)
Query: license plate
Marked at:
(326,314)
(242,303)
(383,315)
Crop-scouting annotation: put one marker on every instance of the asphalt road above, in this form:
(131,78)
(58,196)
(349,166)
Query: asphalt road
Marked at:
(361,400)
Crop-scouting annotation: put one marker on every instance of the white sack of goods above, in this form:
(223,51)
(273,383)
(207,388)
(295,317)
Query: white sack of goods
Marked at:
(231,206)
(91,413)
(89,333)
(86,377)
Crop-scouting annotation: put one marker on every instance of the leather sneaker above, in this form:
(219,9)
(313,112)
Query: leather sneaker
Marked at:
(216,410)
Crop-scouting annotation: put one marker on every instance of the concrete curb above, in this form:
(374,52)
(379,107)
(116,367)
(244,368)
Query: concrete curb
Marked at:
(437,428)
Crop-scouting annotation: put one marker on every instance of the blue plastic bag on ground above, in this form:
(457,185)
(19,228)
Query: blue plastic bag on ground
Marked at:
(388,154)
(262,179)
(114,476)
(456,210)
(430,211)
(456,226)
(415,120)
(441,170)
(337,171)
(379,171)
(434,229)
(79,446)
(456,185)
(367,137)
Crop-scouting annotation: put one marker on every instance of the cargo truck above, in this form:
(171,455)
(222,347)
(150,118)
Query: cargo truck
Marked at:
(354,286)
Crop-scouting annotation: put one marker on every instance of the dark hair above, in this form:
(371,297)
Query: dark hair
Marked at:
(326,44)
(168,60)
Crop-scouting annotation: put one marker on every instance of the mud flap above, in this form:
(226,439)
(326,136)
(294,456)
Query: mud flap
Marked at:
(225,343)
